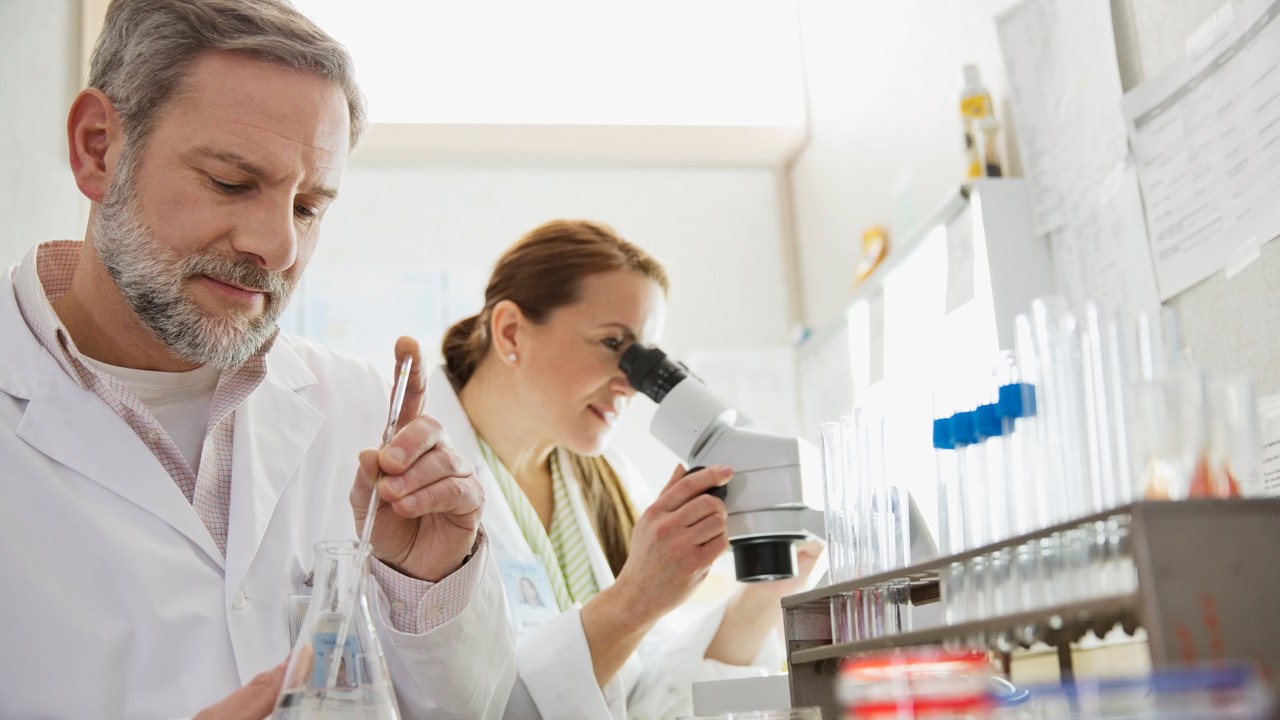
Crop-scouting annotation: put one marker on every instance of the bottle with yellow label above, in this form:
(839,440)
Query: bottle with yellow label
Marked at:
(975,106)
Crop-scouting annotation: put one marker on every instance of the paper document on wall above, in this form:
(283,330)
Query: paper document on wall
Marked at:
(361,310)
(960,261)
(1064,85)
(1206,140)
(1103,254)
(1269,423)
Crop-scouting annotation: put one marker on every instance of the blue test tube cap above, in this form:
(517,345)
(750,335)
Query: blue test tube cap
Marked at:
(963,430)
(942,434)
(1017,400)
(987,422)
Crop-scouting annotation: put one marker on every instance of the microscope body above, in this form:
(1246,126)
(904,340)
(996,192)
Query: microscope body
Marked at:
(776,483)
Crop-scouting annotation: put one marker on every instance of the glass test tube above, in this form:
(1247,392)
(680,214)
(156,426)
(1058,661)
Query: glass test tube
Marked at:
(1015,407)
(898,527)
(835,486)
(991,439)
(1039,478)
(1056,333)
(972,495)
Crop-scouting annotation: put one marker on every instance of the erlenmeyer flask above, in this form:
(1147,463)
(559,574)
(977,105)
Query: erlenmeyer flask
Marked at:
(323,681)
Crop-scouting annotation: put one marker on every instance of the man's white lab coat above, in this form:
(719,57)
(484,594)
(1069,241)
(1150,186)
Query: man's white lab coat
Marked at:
(556,677)
(117,604)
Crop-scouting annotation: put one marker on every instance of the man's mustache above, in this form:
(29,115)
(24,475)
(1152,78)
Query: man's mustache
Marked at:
(242,273)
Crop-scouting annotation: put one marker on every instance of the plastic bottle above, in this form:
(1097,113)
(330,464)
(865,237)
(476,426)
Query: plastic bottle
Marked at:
(975,105)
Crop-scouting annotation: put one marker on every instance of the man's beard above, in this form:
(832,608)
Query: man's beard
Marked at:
(153,279)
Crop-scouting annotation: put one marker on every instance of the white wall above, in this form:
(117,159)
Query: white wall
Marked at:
(581,62)
(883,81)
(717,231)
(39,76)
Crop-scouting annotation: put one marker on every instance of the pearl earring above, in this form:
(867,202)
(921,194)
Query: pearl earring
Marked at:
(511,357)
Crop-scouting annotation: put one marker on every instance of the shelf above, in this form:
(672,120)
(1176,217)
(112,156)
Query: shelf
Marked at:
(1206,583)
(1051,625)
(927,572)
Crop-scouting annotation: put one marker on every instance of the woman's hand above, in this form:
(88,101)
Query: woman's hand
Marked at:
(807,555)
(673,545)
(675,541)
(754,613)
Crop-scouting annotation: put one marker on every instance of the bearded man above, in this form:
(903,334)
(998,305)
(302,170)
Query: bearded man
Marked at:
(169,459)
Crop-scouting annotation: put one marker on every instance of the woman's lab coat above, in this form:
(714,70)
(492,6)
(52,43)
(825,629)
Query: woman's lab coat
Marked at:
(556,677)
(116,602)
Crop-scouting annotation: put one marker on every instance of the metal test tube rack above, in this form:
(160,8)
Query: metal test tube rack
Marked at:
(1208,588)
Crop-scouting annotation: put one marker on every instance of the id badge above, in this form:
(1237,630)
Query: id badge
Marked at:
(529,593)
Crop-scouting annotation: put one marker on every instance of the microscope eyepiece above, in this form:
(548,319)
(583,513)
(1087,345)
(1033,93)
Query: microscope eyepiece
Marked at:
(650,371)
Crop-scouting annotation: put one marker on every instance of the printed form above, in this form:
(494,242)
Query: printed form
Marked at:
(1206,139)
(1064,85)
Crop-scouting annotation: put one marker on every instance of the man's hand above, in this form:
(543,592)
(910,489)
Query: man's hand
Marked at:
(254,701)
(431,499)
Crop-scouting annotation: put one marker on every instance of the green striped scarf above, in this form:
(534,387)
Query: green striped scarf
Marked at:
(562,552)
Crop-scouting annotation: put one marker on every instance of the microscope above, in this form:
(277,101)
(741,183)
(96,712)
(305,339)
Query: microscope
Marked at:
(777,480)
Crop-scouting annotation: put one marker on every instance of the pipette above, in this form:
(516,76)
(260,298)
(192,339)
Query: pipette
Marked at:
(362,555)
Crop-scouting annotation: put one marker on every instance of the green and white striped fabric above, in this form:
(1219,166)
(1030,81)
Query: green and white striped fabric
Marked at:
(566,538)
(547,552)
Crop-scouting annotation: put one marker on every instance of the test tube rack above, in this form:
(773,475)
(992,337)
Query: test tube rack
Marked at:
(1207,589)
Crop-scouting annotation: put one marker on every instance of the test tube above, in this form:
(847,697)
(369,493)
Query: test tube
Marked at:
(881,522)
(898,526)
(835,486)
(991,439)
(1175,426)
(1039,478)
(1056,330)
(950,521)
(1099,399)
(1056,336)
(1235,448)
(995,497)
(859,539)
(964,435)
(972,493)
(1015,407)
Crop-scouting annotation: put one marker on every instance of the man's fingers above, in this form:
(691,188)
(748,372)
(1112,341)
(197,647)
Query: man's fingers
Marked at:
(450,496)
(415,394)
(367,471)
(441,463)
(417,438)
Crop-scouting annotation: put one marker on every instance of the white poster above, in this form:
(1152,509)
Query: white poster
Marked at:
(1064,84)
(361,310)
(1206,138)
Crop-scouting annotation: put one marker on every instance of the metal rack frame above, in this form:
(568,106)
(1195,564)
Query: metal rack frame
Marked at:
(1208,588)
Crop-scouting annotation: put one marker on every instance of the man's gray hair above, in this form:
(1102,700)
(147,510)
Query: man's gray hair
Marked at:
(147,46)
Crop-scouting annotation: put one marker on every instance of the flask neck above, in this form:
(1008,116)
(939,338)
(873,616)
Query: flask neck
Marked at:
(337,575)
